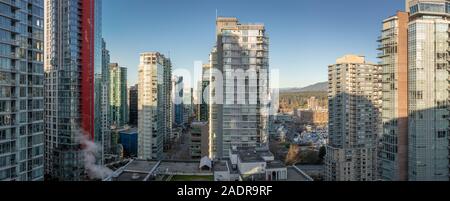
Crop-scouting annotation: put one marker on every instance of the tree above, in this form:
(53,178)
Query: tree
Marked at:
(309,157)
(293,156)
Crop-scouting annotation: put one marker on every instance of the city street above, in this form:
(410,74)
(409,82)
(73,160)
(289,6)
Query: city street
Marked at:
(180,149)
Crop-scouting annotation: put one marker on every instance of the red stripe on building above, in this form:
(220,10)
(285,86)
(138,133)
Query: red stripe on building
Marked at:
(87,67)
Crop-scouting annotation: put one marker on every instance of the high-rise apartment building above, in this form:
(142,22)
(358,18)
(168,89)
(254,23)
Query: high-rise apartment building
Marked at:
(133,102)
(238,113)
(73,85)
(154,118)
(21,90)
(105,112)
(428,36)
(118,95)
(393,155)
(188,104)
(178,105)
(354,119)
(203,94)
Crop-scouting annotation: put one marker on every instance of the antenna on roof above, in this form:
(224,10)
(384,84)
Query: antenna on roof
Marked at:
(217,13)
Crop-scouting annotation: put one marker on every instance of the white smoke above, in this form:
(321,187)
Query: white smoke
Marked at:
(90,152)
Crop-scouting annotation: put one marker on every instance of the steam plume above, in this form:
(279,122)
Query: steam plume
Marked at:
(90,152)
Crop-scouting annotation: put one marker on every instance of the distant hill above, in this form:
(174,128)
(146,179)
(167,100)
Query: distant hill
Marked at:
(318,87)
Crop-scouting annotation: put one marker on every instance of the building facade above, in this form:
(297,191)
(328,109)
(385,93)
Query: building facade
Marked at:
(188,104)
(73,85)
(153,100)
(199,140)
(21,90)
(354,119)
(428,154)
(238,113)
(393,57)
(203,111)
(178,100)
(133,103)
(128,138)
(105,111)
(118,95)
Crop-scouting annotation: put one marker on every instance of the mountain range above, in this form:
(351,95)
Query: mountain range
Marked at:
(318,87)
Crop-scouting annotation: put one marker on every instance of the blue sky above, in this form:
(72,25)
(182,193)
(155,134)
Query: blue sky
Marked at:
(305,35)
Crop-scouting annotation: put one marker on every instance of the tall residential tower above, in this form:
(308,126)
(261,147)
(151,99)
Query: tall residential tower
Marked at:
(154,118)
(239,115)
(118,95)
(21,90)
(394,61)
(73,88)
(133,105)
(428,95)
(354,96)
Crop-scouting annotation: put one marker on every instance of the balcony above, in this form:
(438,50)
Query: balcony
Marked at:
(12,29)
(13,3)
(382,55)
(11,42)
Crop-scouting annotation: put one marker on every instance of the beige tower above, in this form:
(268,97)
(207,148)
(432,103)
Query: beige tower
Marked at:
(354,119)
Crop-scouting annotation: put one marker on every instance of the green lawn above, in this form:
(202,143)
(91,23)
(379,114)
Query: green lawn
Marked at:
(192,178)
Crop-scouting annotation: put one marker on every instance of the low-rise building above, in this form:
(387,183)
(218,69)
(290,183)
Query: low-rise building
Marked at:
(222,170)
(257,165)
(129,141)
(199,140)
(316,117)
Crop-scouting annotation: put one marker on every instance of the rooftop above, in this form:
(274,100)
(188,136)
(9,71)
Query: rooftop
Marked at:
(180,167)
(227,19)
(351,59)
(220,166)
(135,170)
(275,165)
(129,131)
(141,166)
(131,176)
(264,153)
(248,156)
(295,174)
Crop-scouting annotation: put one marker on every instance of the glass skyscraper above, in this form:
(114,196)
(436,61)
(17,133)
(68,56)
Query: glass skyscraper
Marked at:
(73,90)
(21,90)
(118,95)
(428,46)
(178,104)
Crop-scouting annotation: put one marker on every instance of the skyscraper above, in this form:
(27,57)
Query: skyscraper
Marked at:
(154,123)
(133,99)
(188,104)
(428,89)
(105,113)
(242,56)
(21,90)
(354,119)
(178,105)
(394,61)
(118,95)
(203,111)
(73,90)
